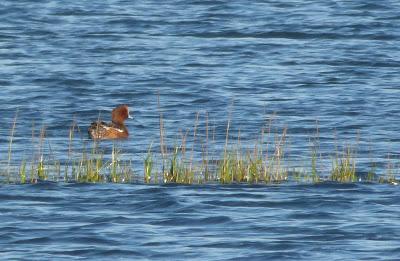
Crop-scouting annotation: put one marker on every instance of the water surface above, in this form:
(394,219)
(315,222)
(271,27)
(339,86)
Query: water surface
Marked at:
(142,222)
(331,62)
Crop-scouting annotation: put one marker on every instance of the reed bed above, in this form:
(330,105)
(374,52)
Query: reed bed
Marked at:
(199,161)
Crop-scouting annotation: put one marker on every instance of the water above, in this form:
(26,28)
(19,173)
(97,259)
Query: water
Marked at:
(300,222)
(335,62)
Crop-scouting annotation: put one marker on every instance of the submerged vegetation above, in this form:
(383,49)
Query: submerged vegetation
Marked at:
(264,162)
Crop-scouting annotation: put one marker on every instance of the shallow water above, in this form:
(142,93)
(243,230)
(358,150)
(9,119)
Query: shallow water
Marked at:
(335,62)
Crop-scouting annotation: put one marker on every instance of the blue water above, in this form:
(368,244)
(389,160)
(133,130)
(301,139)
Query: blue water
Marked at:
(143,222)
(334,64)
(310,222)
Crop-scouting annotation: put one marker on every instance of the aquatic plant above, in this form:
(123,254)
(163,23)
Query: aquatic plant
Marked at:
(344,166)
(263,162)
(148,166)
(314,156)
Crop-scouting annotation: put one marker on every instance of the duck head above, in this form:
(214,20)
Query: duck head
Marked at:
(120,114)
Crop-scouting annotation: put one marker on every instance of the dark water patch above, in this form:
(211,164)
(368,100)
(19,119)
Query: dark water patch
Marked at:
(160,204)
(390,18)
(373,6)
(103,36)
(207,2)
(4,37)
(331,185)
(38,240)
(290,35)
(5,83)
(76,82)
(133,21)
(120,253)
(313,215)
(44,184)
(77,12)
(192,221)
(29,198)
(115,219)
(76,252)
(359,63)
(249,195)
(46,81)
(151,190)
(89,252)
(94,240)
(195,65)
(36,33)
(250,204)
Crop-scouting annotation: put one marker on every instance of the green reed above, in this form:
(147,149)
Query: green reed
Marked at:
(265,162)
(344,167)
(148,166)
(22,172)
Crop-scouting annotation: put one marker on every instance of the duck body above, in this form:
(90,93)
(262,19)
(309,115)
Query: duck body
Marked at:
(116,129)
(101,130)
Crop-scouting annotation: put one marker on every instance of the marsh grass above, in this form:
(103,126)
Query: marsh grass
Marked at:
(344,166)
(263,161)
(148,166)
(391,172)
(22,172)
(315,155)
(90,166)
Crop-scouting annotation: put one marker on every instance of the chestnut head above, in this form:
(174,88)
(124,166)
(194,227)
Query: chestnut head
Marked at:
(120,114)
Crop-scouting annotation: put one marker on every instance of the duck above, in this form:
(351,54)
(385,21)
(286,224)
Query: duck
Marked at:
(116,129)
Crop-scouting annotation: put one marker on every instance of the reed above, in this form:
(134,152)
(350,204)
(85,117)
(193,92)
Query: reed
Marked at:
(148,166)
(42,173)
(264,162)
(390,175)
(344,166)
(315,156)
(163,149)
(22,172)
(371,175)
(205,153)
